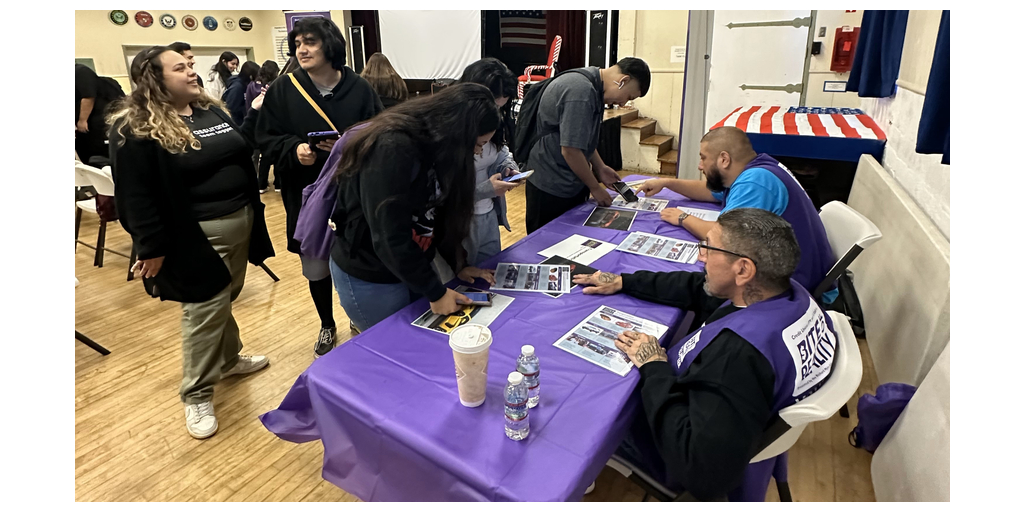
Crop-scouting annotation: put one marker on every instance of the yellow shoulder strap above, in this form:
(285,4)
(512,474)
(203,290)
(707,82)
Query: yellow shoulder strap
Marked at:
(312,103)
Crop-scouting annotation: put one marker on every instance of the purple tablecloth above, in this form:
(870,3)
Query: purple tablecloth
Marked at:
(386,407)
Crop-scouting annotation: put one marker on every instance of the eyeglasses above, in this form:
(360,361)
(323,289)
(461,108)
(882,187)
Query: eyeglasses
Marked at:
(703,248)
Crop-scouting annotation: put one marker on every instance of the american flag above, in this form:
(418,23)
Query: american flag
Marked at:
(820,122)
(523,29)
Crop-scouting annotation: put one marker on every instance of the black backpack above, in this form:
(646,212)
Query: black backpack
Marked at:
(527,133)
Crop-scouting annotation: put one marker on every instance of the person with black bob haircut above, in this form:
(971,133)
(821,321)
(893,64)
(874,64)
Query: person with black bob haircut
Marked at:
(492,164)
(406,192)
(296,105)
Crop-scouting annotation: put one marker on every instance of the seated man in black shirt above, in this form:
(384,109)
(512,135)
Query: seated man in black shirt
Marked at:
(765,345)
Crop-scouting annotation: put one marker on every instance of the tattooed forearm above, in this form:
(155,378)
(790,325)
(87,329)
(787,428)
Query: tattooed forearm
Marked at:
(649,351)
(607,278)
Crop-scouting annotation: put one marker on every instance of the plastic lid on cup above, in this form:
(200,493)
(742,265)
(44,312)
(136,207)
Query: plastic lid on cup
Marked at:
(515,378)
(469,338)
(527,350)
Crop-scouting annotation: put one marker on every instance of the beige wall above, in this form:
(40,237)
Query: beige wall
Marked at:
(96,37)
(918,49)
(924,178)
(819,71)
(650,35)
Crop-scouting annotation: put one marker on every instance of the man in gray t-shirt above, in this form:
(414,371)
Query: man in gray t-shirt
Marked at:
(565,160)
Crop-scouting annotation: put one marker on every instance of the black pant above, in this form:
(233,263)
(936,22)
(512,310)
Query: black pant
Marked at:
(263,170)
(542,207)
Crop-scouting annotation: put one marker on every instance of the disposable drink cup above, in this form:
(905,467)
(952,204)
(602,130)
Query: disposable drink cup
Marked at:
(471,346)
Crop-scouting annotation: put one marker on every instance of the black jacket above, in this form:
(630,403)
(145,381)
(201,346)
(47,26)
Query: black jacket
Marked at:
(374,218)
(286,118)
(154,206)
(706,422)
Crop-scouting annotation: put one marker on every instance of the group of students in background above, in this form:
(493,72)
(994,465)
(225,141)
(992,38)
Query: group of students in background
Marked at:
(419,186)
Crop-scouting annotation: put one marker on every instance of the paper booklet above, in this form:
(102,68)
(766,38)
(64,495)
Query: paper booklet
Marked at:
(644,204)
(593,339)
(611,218)
(575,269)
(709,215)
(532,277)
(481,315)
(579,249)
(655,246)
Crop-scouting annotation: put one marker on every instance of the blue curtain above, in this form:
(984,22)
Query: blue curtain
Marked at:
(876,63)
(933,132)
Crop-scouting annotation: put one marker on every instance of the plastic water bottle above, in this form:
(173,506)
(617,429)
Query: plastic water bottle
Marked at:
(529,366)
(517,414)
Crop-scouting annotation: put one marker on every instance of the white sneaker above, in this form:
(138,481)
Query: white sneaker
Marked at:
(591,488)
(247,364)
(200,421)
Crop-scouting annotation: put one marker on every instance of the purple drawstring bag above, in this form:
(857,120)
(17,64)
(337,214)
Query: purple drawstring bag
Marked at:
(877,413)
(318,199)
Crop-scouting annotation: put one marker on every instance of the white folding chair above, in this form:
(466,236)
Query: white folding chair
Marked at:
(101,180)
(783,433)
(848,234)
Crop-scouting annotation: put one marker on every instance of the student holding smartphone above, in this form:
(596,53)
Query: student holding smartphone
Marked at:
(405,193)
(493,164)
(325,95)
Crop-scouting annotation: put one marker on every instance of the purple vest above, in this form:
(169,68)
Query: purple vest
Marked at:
(790,330)
(816,257)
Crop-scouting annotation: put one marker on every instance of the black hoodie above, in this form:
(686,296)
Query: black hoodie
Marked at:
(286,118)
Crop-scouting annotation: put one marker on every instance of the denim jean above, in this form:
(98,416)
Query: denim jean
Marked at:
(367,303)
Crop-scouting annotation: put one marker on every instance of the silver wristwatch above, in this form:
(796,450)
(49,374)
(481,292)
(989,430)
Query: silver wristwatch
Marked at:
(682,217)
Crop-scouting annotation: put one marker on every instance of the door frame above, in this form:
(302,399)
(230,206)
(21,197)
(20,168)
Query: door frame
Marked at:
(696,82)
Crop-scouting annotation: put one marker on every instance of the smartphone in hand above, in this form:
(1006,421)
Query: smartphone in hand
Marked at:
(625,191)
(478,299)
(318,137)
(517,177)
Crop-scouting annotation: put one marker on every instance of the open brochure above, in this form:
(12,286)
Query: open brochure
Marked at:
(575,269)
(579,249)
(532,277)
(480,315)
(644,204)
(593,339)
(656,246)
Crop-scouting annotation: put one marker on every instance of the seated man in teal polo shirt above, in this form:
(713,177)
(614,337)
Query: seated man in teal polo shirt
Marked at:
(738,177)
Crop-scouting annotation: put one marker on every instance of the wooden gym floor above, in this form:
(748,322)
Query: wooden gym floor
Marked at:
(130,438)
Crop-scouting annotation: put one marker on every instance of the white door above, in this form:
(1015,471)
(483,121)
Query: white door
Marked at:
(751,50)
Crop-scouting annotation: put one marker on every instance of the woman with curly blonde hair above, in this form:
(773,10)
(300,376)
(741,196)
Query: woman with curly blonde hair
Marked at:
(187,195)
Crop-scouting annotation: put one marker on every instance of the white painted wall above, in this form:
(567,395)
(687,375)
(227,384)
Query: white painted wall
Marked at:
(922,176)
(820,72)
(650,35)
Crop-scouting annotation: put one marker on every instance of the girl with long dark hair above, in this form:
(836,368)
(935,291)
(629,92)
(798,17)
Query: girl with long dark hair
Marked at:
(385,80)
(405,191)
(220,73)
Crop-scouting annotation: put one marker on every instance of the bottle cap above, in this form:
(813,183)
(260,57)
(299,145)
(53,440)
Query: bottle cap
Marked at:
(515,378)
(527,350)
